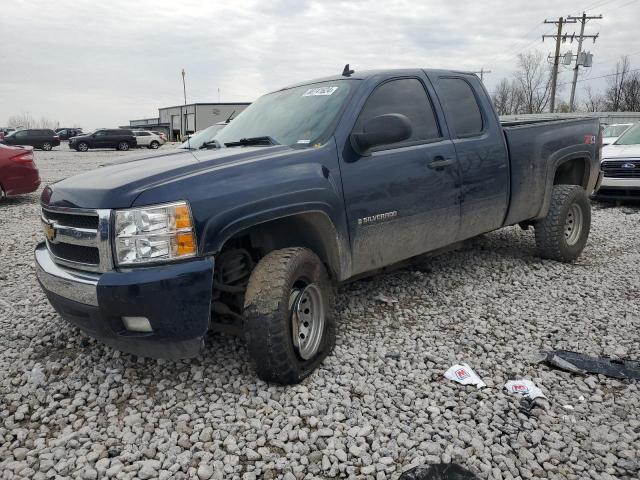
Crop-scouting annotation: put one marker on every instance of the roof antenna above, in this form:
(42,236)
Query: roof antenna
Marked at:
(346,72)
(230,117)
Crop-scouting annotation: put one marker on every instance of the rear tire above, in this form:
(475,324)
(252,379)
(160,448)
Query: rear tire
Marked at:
(288,315)
(563,233)
(46,146)
(123,146)
(154,145)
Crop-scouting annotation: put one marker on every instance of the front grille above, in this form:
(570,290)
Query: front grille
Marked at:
(78,221)
(75,253)
(621,168)
(79,238)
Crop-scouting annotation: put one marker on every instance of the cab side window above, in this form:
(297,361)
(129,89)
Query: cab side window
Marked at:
(462,107)
(408,97)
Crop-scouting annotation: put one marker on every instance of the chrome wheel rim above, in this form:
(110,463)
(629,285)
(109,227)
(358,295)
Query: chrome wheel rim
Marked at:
(307,319)
(124,146)
(82,147)
(46,147)
(573,224)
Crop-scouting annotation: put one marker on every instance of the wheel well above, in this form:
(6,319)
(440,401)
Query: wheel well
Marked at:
(572,172)
(312,230)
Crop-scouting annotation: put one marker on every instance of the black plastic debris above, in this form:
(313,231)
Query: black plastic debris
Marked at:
(578,363)
(438,471)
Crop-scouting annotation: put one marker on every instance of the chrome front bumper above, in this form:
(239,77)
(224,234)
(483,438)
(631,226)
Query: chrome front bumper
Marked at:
(74,285)
(620,182)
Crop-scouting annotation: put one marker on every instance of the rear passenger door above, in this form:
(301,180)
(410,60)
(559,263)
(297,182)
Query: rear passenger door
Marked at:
(481,150)
(402,199)
(101,139)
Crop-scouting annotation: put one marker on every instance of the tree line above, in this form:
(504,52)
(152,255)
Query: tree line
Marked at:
(27,121)
(529,89)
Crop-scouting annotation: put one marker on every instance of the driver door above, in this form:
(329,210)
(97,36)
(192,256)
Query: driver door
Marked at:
(404,198)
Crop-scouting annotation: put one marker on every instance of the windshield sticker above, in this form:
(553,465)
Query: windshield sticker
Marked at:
(319,91)
(304,141)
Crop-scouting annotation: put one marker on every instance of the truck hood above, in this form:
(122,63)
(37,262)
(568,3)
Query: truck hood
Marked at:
(620,151)
(119,184)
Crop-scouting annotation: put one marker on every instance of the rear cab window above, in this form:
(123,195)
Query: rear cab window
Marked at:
(461,106)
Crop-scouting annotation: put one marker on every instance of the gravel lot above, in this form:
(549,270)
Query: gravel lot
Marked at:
(72,408)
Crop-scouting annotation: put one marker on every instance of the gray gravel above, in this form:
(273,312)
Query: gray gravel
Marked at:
(72,408)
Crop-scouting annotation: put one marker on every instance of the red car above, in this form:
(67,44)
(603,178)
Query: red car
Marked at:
(18,172)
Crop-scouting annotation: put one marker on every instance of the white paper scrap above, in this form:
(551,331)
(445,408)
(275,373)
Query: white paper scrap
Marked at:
(464,374)
(524,388)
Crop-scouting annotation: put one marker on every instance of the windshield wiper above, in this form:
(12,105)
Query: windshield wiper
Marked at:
(210,144)
(243,142)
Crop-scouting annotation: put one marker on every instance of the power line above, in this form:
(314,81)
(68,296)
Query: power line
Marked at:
(601,76)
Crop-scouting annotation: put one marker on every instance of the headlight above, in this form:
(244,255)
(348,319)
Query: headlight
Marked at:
(153,234)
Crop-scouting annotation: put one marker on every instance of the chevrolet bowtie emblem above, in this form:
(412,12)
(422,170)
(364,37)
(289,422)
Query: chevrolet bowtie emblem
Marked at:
(49,231)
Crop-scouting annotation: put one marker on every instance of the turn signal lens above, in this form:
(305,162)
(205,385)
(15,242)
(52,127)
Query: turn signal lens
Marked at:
(183,217)
(185,244)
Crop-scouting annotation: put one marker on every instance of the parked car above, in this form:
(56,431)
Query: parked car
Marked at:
(203,138)
(312,184)
(613,131)
(67,133)
(162,135)
(120,139)
(621,167)
(148,139)
(42,138)
(18,172)
(5,131)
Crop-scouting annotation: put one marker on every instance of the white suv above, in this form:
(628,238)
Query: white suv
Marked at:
(621,167)
(148,139)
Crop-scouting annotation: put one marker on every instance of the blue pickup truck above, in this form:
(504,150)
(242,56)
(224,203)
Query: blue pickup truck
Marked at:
(310,186)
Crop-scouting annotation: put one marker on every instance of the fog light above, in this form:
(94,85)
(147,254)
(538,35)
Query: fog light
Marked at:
(137,324)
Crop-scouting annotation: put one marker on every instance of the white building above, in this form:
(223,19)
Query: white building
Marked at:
(180,120)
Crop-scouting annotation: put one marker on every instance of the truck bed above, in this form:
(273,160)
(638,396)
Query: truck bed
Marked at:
(535,148)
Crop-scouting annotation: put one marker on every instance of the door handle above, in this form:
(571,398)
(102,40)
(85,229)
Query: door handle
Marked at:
(439,162)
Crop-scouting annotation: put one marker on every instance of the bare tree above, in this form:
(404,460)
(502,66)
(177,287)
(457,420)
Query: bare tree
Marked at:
(507,98)
(631,93)
(614,93)
(533,78)
(25,120)
(594,102)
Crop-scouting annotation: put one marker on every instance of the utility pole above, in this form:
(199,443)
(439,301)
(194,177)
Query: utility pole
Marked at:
(583,20)
(482,72)
(558,36)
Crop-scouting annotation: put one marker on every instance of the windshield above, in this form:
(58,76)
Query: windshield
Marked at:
(614,130)
(203,136)
(630,137)
(300,116)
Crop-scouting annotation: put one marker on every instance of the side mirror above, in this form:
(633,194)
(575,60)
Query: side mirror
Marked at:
(381,130)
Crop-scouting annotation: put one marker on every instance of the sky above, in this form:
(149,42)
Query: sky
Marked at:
(100,64)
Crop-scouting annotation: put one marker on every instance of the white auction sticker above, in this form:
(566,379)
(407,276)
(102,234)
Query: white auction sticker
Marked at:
(319,91)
